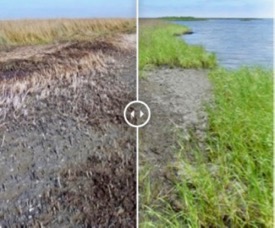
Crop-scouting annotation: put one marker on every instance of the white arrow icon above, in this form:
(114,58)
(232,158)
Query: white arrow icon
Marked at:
(132,114)
(136,109)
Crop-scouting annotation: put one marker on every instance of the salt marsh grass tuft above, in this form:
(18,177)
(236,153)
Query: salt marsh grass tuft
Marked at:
(160,44)
(29,32)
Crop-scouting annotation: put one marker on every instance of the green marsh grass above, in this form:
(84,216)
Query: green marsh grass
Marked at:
(229,182)
(160,45)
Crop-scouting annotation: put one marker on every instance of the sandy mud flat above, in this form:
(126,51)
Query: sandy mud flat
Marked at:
(67,158)
(176,98)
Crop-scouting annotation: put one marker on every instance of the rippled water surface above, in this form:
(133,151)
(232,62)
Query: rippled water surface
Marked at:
(235,42)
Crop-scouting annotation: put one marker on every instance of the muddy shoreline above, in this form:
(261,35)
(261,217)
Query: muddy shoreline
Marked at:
(66,156)
(176,98)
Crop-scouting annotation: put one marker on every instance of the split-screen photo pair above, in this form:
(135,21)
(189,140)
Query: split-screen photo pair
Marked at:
(136,114)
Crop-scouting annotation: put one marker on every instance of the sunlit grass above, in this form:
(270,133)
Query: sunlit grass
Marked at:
(229,182)
(159,45)
(21,32)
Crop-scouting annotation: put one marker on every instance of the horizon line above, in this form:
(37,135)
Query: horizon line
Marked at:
(211,17)
(55,18)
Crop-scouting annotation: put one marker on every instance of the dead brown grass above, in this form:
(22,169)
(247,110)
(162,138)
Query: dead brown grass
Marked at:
(43,73)
(23,32)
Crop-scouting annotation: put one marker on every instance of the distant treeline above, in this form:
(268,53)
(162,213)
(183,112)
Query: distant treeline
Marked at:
(183,18)
(201,18)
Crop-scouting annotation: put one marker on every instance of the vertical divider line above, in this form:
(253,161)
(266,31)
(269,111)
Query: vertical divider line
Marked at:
(137,98)
(137,50)
(137,177)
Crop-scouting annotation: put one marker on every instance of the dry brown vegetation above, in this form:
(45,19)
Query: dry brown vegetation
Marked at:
(46,71)
(60,106)
(47,31)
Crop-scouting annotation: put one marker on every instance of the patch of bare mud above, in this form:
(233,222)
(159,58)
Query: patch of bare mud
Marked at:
(176,98)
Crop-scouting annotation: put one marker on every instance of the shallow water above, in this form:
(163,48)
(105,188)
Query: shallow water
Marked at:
(235,42)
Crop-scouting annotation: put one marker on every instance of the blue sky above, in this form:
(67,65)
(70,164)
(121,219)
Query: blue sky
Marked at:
(206,8)
(16,9)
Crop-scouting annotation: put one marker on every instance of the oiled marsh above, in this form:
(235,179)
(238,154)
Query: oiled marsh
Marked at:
(62,131)
(56,30)
(45,72)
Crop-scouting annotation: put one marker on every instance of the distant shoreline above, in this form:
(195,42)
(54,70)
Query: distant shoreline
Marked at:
(173,18)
